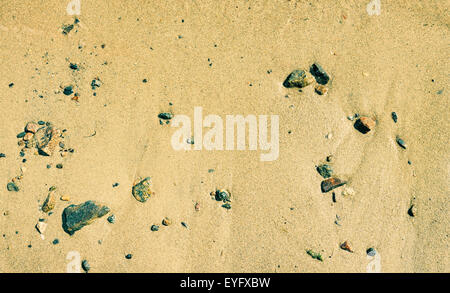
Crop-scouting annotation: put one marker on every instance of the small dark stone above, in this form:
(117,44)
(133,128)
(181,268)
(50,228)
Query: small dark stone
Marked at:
(21,135)
(364,124)
(319,73)
(68,90)
(11,186)
(59,166)
(75,217)
(115,184)
(371,251)
(184,225)
(144,80)
(394,117)
(222,195)
(67,29)
(95,83)
(401,142)
(165,116)
(325,170)
(412,211)
(40,122)
(73,66)
(2,155)
(56,241)
(154,228)
(314,255)
(49,166)
(112,219)
(11,84)
(227,206)
(85,265)
(128,256)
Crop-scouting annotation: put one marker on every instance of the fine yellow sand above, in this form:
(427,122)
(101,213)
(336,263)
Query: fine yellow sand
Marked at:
(395,61)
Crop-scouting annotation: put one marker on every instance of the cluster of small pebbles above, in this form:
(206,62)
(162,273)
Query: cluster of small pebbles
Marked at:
(44,137)
(364,124)
(165,117)
(300,78)
(224,196)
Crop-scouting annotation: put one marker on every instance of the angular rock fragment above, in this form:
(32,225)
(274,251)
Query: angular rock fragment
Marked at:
(47,139)
(331,183)
(325,170)
(67,28)
(321,89)
(75,217)
(412,211)
(50,201)
(227,206)
(364,124)
(142,191)
(346,246)
(314,255)
(166,221)
(319,73)
(28,136)
(41,226)
(298,78)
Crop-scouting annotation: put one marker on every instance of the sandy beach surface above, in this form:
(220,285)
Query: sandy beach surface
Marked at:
(229,58)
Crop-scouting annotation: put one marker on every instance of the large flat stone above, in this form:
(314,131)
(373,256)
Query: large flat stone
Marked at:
(75,217)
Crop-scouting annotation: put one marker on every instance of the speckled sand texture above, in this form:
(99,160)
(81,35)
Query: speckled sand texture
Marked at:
(229,57)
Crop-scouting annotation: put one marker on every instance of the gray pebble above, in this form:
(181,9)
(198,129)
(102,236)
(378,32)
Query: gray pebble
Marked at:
(112,219)
(401,142)
(371,252)
(85,265)
(325,170)
(394,117)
